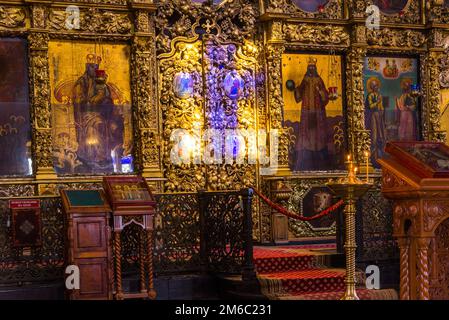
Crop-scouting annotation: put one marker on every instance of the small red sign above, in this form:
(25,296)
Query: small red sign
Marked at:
(19,204)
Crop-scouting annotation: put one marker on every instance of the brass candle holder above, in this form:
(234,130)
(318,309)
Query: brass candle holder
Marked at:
(350,189)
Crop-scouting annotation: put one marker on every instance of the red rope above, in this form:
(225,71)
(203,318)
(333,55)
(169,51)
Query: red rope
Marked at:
(293,215)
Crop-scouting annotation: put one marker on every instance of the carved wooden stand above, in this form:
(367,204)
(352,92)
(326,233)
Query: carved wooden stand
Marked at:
(420,205)
(132,202)
(145,256)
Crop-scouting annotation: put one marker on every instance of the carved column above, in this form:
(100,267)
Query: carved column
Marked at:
(274,51)
(423,268)
(145,111)
(40,99)
(404,252)
(432,113)
(359,138)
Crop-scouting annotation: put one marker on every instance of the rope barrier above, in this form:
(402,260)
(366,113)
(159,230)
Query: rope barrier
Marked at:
(294,215)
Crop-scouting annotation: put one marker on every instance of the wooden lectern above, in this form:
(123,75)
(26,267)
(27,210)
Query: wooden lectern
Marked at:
(131,201)
(88,247)
(415,175)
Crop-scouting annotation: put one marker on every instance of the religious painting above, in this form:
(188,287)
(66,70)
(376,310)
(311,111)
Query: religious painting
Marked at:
(233,85)
(91,105)
(311,6)
(127,189)
(391,7)
(391,108)
(183,85)
(15,128)
(313,109)
(317,200)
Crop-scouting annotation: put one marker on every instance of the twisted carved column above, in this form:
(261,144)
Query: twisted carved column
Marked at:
(404,249)
(118,265)
(149,243)
(423,268)
(142,260)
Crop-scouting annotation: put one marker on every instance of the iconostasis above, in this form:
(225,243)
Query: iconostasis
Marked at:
(106,97)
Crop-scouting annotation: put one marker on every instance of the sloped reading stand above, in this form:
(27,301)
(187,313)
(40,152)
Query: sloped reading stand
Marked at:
(87,216)
(415,175)
(131,201)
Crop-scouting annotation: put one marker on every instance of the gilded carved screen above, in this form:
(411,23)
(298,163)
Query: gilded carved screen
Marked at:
(91,107)
(207,91)
(15,131)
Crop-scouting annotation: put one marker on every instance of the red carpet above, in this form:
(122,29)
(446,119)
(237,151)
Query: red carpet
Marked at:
(300,273)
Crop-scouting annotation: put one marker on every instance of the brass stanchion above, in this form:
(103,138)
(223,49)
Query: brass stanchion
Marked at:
(350,189)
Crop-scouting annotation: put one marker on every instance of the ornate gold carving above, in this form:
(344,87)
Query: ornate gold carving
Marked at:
(437,13)
(387,37)
(12,17)
(233,21)
(93,20)
(40,102)
(147,133)
(432,113)
(276,30)
(16,190)
(332,10)
(181,113)
(317,34)
(49,189)
(273,53)
(359,138)
(38,16)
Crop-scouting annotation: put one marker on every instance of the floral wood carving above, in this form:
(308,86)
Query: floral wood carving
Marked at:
(332,10)
(387,37)
(234,21)
(146,135)
(434,213)
(12,17)
(92,20)
(438,13)
(403,210)
(390,180)
(433,112)
(359,138)
(316,34)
